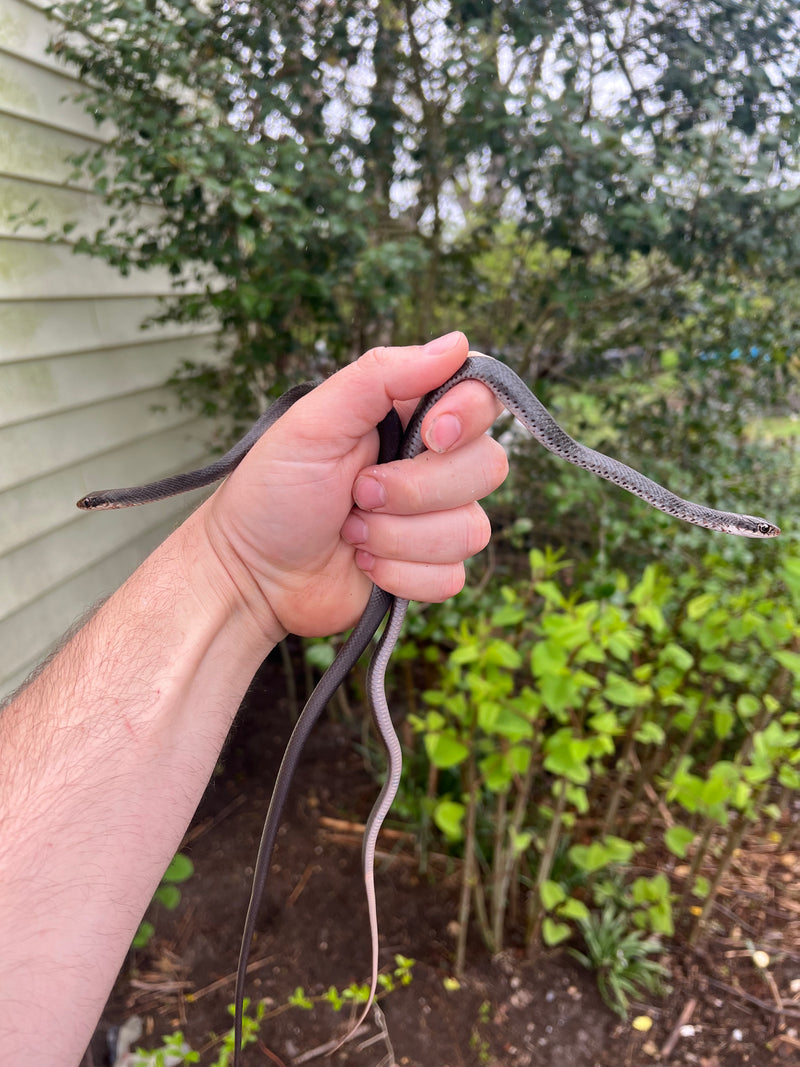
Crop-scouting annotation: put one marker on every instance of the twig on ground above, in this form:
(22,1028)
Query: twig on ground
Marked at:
(270,1054)
(301,884)
(228,979)
(208,824)
(329,1046)
(685,1016)
(763,1004)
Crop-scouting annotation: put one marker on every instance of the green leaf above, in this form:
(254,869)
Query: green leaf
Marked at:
(169,896)
(599,854)
(449,817)
(677,839)
(551,894)
(496,772)
(701,887)
(567,755)
(180,869)
(550,592)
(298,999)
(331,996)
(747,705)
(789,660)
(553,933)
(650,733)
(577,797)
(319,654)
(520,842)
(573,909)
(700,605)
(652,616)
(465,653)
(445,750)
(605,722)
(723,721)
(652,889)
(143,934)
(504,655)
(548,658)
(676,655)
(625,693)
(508,615)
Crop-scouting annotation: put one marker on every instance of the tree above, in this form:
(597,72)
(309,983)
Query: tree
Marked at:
(344,171)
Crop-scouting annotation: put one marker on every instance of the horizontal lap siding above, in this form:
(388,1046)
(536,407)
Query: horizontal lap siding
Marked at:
(82,399)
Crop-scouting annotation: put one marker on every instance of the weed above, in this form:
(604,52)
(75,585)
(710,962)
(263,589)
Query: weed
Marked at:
(620,956)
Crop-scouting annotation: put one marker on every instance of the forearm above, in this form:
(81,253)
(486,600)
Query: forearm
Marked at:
(106,754)
(104,759)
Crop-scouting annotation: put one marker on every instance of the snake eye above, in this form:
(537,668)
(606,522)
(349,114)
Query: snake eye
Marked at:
(765,529)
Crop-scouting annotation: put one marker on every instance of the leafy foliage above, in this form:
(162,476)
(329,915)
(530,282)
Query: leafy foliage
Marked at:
(576,177)
(561,728)
(692,424)
(175,1050)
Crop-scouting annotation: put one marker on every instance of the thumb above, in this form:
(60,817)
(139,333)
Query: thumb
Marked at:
(364,391)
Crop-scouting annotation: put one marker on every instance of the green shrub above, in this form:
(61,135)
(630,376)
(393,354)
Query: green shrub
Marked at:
(568,737)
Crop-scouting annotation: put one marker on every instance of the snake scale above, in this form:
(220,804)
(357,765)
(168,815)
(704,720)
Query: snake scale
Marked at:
(515,396)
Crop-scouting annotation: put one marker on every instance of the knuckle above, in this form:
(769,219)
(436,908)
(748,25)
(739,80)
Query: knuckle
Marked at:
(497,462)
(453,580)
(416,486)
(380,355)
(481,530)
(442,581)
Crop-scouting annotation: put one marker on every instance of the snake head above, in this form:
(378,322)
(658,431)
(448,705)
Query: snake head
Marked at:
(95,502)
(753,526)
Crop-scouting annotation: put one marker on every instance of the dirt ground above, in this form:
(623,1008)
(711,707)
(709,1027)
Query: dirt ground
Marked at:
(312,933)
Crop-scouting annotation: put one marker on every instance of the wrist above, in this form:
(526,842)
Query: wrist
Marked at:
(224,584)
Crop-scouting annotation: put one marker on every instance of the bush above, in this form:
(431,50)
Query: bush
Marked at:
(568,736)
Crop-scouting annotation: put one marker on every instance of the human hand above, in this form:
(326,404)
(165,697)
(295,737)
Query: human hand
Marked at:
(298,552)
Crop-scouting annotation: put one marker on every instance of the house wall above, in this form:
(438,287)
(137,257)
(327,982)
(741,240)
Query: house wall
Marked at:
(82,400)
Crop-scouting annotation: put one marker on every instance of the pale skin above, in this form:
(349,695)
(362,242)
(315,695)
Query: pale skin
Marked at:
(105,755)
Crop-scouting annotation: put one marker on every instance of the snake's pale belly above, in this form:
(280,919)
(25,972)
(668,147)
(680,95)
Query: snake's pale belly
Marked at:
(512,392)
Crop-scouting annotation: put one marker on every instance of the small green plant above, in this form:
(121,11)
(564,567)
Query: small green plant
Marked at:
(251,1025)
(180,870)
(477,1042)
(621,957)
(175,1050)
(355,993)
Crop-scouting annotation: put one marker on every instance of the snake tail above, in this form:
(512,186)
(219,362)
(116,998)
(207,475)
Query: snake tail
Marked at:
(376,687)
(377,606)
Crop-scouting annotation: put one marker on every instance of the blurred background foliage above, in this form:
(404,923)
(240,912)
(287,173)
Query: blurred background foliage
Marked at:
(602,194)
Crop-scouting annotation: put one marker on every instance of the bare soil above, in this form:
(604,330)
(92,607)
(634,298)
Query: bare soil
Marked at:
(312,933)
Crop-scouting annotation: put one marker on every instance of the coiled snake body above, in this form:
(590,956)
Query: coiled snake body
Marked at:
(516,398)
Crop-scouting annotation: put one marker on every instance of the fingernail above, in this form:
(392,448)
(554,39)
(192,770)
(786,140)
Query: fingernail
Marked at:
(354,530)
(443,433)
(369,493)
(441,344)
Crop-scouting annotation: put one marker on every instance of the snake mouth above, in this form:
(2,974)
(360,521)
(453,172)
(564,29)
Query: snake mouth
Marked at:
(95,502)
(760,527)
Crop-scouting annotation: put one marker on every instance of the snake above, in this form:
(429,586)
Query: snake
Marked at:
(517,398)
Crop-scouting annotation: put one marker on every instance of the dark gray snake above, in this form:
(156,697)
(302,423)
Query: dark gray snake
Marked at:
(515,396)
